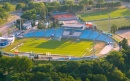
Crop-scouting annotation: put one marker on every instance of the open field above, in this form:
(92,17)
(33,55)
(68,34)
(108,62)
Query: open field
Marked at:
(97,15)
(63,47)
(104,24)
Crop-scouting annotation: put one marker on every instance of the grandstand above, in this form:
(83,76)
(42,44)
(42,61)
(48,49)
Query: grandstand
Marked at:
(36,33)
(85,34)
(74,26)
(58,33)
(5,41)
(49,32)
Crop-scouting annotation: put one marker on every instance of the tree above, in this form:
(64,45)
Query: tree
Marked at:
(100,2)
(91,2)
(113,28)
(97,69)
(20,6)
(124,44)
(43,68)
(126,55)
(39,7)
(15,64)
(5,65)
(28,14)
(69,2)
(84,2)
(22,64)
(117,75)
(0,54)
(71,66)
(87,79)
(116,58)
(7,6)
(41,25)
(22,76)
(99,77)
(34,17)
(43,14)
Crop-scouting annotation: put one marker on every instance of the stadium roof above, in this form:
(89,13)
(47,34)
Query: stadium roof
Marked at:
(74,26)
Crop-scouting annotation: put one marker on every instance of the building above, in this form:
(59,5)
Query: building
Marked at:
(27,25)
(64,17)
(74,26)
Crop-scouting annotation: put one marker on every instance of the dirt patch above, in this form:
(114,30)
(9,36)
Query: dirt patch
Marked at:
(99,46)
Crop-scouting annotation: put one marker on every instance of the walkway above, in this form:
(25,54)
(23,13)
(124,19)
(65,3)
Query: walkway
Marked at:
(106,49)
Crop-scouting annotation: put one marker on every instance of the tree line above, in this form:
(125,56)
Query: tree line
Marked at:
(23,1)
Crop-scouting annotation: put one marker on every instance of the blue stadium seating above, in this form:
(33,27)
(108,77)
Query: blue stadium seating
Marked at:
(4,43)
(108,40)
(58,32)
(85,34)
(101,37)
(93,35)
(49,32)
(35,33)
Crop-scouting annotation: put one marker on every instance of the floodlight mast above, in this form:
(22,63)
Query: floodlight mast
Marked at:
(20,25)
(93,44)
(109,30)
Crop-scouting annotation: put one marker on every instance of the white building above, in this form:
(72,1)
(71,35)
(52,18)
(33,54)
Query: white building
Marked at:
(36,22)
(5,41)
(27,25)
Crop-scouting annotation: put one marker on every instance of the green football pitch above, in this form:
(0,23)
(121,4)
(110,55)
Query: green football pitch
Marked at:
(63,47)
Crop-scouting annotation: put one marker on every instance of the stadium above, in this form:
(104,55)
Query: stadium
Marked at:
(73,39)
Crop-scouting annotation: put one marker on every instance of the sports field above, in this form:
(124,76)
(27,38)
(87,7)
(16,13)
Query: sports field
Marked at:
(104,24)
(101,18)
(63,47)
(103,14)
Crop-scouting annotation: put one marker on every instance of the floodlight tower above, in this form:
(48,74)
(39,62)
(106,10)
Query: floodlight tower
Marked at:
(109,30)
(94,45)
(20,25)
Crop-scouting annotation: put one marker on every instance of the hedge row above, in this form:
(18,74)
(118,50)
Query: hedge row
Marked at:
(124,27)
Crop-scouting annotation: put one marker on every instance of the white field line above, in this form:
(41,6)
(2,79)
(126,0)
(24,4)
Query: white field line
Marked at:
(16,47)
(89,51)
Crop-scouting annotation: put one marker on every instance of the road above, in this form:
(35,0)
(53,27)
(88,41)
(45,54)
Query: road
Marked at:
(4,28)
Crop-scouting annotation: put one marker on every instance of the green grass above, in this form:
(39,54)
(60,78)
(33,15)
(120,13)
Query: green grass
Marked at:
(63,47)
(9,18)
(104,24)
(97,15)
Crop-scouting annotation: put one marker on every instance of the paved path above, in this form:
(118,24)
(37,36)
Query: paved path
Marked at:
(4,28)
(106,49)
